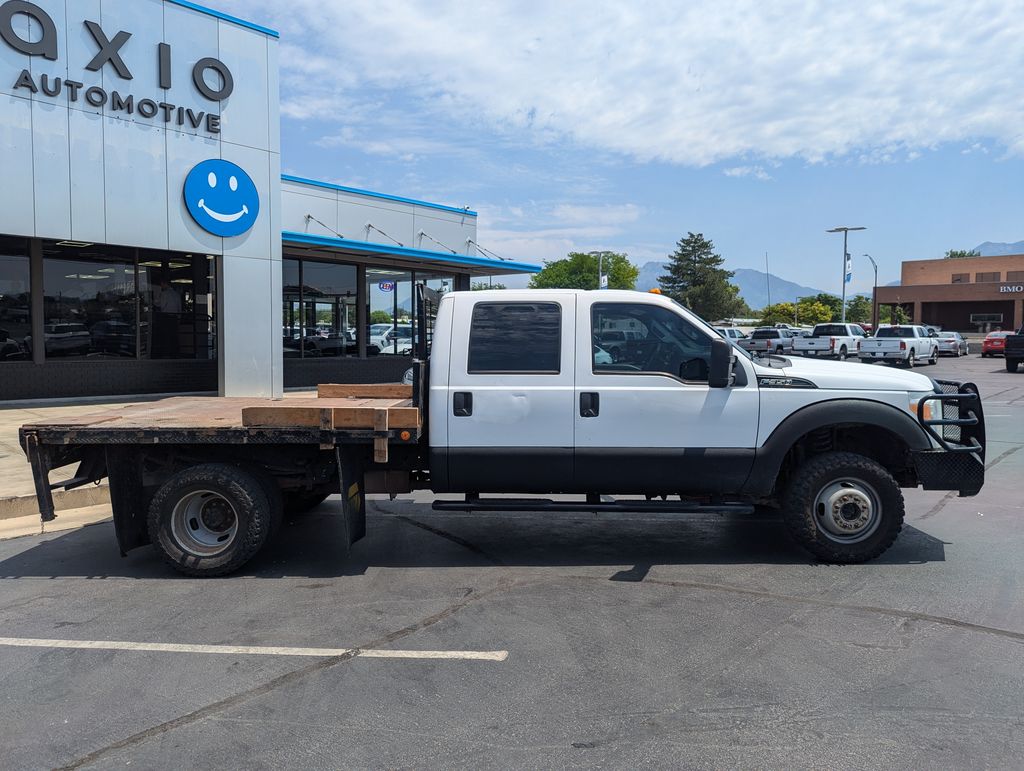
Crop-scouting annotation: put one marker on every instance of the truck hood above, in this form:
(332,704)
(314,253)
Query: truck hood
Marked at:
(846,375)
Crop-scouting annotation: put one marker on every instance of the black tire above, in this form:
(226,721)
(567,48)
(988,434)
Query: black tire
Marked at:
(301,501)
(911,359)
(240,519)
(1011,365)
(779,349)
(806,515)
(843,353)
(935,358)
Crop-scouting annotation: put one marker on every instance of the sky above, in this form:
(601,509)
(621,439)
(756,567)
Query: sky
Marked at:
(575,125)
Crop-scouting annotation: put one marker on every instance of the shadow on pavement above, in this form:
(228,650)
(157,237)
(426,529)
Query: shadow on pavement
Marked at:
(312,546)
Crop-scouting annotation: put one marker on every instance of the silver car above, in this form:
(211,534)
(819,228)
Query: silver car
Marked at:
(953,344)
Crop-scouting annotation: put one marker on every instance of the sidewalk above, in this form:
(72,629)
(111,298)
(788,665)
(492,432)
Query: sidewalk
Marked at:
(17,491)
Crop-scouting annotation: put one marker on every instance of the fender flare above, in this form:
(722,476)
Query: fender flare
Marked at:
(833,412)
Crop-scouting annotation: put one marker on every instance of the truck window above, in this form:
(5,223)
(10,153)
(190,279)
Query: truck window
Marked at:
(662,343)
(515,337)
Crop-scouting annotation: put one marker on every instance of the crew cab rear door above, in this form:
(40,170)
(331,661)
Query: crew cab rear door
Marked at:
(510,392)
(648,422)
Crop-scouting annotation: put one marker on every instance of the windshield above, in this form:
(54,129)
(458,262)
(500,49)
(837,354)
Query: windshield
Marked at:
(895,332)
(764,334)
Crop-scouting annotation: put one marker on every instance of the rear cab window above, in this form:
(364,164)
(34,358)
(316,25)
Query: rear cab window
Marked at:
(515,338)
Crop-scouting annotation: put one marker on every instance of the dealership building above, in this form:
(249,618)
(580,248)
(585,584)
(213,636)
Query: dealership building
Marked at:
(149,242)
(971,294)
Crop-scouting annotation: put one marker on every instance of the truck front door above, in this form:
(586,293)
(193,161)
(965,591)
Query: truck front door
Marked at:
(647,421)
(510,395)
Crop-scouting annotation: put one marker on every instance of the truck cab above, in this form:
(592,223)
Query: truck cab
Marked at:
(520,403)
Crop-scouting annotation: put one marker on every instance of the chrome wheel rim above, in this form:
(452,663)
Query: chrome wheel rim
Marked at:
(204,523)
(847,510)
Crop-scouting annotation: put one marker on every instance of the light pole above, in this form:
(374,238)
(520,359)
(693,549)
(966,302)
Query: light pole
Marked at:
(874,295)
(846,256)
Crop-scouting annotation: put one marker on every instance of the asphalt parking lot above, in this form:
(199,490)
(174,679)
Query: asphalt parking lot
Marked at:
(538,641)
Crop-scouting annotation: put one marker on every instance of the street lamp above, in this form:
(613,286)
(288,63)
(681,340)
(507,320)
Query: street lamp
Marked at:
(846,256)
(874,295)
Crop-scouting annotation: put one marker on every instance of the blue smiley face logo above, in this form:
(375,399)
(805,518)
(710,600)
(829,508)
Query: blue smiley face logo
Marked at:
(221,198)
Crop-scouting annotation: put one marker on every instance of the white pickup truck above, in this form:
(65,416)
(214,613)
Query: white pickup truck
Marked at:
(830,340)
(904,344)
(514,399)
(769,340)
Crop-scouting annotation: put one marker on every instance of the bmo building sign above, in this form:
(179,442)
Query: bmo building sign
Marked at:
(152,125)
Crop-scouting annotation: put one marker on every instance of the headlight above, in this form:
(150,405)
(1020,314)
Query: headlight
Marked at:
(926,411)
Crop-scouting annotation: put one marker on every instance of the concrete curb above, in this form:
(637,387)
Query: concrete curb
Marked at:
(25,505)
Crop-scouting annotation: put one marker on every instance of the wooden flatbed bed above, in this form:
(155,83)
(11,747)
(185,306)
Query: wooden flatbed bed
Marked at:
(300,448)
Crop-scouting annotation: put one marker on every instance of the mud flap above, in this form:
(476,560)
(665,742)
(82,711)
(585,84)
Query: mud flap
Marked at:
(127,497)
(353,495)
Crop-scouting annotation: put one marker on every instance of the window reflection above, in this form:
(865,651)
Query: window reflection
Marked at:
(89,307)
(15,299)
(176,296)
(390,304)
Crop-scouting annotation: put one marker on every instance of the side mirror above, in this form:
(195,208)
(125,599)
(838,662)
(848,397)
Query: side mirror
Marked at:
(722,360)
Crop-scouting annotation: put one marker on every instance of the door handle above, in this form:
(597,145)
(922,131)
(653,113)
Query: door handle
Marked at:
(462,404)
(590,405)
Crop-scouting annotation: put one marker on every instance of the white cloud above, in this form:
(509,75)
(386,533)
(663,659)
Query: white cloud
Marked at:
(757,172)
(690,83)
(608,214)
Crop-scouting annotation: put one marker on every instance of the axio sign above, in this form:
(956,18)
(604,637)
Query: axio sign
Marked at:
(108,54)
(221,198)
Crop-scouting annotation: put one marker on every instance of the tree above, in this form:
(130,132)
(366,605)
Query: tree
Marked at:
(579,270)
(810,312)
(959,254)
(697,279)
(779,313)
(832,302)
(478,286)
(858,309)
(886,317)
(380,317)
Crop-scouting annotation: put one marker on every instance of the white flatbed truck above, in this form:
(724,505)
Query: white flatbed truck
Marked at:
(512,399)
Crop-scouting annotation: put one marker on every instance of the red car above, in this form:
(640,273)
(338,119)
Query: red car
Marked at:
(994,344)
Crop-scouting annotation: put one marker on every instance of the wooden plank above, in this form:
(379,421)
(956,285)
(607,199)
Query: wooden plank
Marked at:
(285,416)
(363,417)
(365,391)
(380,443)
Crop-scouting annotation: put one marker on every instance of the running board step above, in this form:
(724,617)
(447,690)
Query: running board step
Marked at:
(546,504)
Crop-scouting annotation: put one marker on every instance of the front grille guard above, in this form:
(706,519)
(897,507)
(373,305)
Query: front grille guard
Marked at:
(962,425)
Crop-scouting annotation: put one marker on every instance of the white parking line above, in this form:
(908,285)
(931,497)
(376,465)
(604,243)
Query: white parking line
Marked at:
(250,650)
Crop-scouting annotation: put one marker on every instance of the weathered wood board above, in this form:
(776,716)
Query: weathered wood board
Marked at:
(364,391)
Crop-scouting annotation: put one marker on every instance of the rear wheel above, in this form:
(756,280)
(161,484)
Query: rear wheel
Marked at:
(1011,365)
(843,353)
(911,359)
(843,507)
(211,519)
(779,349)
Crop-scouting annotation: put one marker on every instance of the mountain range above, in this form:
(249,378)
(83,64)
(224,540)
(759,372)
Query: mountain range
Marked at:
(998,249)
(754,284)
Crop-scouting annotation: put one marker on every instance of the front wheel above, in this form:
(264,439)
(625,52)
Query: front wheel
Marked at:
(210,519)
(935,357)
(843,507)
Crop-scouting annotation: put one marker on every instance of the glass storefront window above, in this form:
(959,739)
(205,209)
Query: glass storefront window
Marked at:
(390,305)
(319,309)
(15,300)
(177,299)
(291,316)
(89,307)
(329,309)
